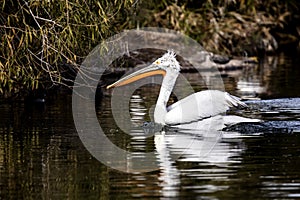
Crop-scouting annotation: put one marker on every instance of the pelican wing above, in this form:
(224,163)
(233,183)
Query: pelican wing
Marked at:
(201,105)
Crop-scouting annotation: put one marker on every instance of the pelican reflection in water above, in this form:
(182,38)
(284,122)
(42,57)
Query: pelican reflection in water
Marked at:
(205,106)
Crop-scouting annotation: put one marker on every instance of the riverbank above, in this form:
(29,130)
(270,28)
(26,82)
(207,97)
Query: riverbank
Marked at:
(45,49)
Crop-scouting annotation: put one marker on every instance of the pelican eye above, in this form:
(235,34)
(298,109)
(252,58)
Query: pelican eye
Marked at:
(157,62)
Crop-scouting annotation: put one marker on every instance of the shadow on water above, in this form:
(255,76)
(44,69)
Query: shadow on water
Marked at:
(41,155)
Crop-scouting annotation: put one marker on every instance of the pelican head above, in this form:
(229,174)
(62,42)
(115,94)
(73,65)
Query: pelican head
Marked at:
(168,61)
(165,64)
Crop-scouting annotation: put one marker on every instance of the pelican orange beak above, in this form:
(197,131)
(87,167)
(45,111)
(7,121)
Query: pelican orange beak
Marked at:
(151,70)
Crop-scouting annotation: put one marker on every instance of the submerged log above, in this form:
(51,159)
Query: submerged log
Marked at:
(205,61)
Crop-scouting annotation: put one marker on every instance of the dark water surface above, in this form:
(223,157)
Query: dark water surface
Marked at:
(41,155)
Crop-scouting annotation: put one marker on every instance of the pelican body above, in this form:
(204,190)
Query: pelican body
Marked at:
(199,106)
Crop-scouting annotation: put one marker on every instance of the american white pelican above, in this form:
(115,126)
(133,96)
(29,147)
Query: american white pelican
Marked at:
(201,106)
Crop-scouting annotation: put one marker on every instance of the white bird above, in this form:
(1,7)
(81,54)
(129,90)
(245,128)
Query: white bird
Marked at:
(201,106)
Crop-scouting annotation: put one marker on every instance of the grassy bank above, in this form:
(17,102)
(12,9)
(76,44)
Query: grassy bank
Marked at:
(229,26)
(42,42)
